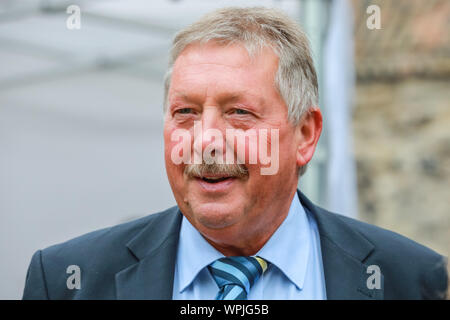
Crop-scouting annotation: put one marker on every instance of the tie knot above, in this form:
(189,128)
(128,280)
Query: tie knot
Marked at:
(237,271)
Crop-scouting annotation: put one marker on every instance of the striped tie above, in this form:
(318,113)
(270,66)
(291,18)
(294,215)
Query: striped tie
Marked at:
(236,275)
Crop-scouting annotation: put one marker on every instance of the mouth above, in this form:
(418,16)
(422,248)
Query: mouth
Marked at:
(215,179)
(216,184)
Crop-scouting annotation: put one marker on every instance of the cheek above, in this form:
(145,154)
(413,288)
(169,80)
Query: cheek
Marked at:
(257,148)
(168,144)
(246,150)
(276,153)
(288,145)
(177,146)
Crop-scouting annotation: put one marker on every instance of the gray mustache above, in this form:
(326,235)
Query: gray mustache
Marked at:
(199,170)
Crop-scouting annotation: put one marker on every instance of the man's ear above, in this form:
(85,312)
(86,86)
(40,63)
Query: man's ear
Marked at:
(308,132)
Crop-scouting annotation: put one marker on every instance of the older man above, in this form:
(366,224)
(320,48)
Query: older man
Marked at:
(241,123)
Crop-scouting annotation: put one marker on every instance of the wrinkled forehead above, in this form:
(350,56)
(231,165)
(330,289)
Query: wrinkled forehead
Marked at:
(253,46)
(227,66)
(235,54)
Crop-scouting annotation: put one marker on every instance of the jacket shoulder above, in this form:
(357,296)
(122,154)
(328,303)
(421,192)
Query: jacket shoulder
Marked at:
(98,255)
(410,269)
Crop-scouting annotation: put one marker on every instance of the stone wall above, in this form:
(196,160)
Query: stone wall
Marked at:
(401,119)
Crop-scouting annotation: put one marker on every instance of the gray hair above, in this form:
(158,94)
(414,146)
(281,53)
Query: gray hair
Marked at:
(255,28)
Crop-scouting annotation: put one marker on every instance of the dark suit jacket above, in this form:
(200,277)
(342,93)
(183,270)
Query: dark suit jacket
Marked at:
(136,260)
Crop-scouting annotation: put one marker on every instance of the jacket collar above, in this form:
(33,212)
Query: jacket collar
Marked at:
(344,251)
(155,248)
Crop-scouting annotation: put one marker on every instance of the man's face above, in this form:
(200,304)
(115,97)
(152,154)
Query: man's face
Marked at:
(222,88)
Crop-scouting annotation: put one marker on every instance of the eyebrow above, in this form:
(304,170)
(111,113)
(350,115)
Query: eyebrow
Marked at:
(184,97)
(223,98)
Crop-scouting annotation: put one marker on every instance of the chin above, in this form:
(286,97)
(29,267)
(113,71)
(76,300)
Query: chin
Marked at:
(215,215)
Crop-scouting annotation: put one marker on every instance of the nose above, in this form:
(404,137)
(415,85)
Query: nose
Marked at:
(209,134)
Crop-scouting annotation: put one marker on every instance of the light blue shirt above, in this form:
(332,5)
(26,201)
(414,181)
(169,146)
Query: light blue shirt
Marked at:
(295,270)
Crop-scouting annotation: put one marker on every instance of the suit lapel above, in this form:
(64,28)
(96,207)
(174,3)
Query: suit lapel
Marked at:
(343,254)
(155,247)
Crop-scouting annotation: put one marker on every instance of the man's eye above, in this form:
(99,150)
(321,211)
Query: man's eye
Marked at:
(184,111)
(241,111)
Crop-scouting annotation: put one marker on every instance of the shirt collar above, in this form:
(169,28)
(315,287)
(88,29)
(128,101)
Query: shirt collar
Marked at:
(292,235)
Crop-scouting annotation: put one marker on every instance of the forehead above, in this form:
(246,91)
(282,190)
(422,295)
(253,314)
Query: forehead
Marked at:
(226,67)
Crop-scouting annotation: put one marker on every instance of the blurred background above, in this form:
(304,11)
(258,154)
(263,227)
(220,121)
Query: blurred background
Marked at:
(81,93)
